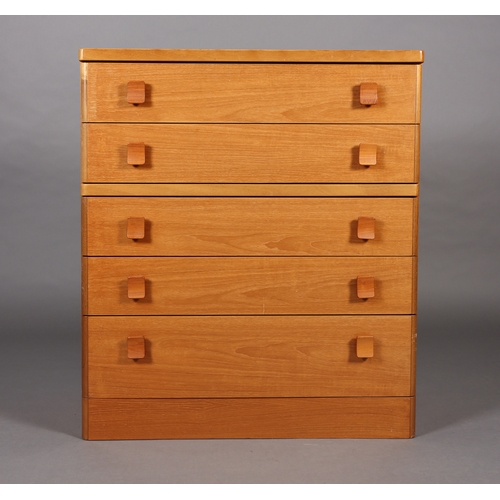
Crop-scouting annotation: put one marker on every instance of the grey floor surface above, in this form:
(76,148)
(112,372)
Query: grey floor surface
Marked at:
(458,423)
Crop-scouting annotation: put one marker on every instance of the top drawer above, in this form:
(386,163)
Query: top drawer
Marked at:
(250,93)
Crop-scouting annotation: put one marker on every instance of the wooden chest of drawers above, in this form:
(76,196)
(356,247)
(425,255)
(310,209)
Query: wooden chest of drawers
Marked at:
(249,242)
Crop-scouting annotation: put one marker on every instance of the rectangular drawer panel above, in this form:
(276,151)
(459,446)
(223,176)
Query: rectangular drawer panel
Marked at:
(250,153)
(248,226)
(221,92)
(312,418)
(247,285)
(248,356)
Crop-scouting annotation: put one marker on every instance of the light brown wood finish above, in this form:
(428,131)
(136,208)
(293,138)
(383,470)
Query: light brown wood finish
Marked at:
(267,190)
(246,93)
(367,155)
(136,154)
(364,348)
(249,285)
(366,228)
(136,92)
(368,93)
(248,226)
(365,287)
(249,356)
(287,56)
(136,347)
(250,153)
(136,228)
(85,357)
(311,418)
(413,368)
(84,285)
(231,148)
(136,287)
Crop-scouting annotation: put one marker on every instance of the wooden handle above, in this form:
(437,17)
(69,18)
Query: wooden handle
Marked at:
(136,92)
(364,346)
(365,287)
(136,347)
(366,228)
(136,153)
(136,228)
(368,93)
(136,287)
(367,154)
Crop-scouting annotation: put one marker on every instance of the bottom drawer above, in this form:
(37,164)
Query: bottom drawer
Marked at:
(248,418)
(248,356)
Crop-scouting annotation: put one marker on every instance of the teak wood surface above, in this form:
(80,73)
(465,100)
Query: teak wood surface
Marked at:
(231,191)
(249,285)
(223,153)
(247,226)
(265,190)
(250,93)
(287,56)
(312,418)
(249,356)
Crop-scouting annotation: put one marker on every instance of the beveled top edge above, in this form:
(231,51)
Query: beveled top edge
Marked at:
(287,56)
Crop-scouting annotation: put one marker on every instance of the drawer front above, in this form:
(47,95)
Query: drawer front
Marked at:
(248,226)
(250,153)
(245,93)
(280,356)
(247,285)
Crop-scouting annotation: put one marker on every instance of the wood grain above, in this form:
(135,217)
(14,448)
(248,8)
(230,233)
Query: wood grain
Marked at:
(249,226)
(311,418)
(249,356)
(85,357)
(289,56)
(413,368)
(246,93)
(85,280)
(268,190)
(264,153)
(249,285)
(83,91)
(85,418)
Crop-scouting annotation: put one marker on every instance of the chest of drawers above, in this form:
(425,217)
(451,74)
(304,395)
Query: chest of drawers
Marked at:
(249,243)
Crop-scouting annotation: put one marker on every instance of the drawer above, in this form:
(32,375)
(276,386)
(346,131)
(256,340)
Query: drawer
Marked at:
(263,153)
(248,356)
(214,226)
(247,285)
(246,93)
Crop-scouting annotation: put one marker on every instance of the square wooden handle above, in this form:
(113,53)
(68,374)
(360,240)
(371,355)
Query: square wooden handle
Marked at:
(366,228)
(136,92)
(368,93)
(364,346)
(136,228)
(365,287)
(367,154)
(136,347)
(136,287)
(136,153)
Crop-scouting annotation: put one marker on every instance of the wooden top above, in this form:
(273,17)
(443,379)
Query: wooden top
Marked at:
(287,56)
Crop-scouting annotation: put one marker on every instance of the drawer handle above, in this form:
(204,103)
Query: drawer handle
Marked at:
(136,228)
(136,347)
(364,346)
(136,92)
(367,154)
(368,93)
(366,228)
(136,153)
(365,287)
(136,286)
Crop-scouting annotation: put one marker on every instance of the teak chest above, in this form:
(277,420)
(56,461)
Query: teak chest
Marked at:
(249,243)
